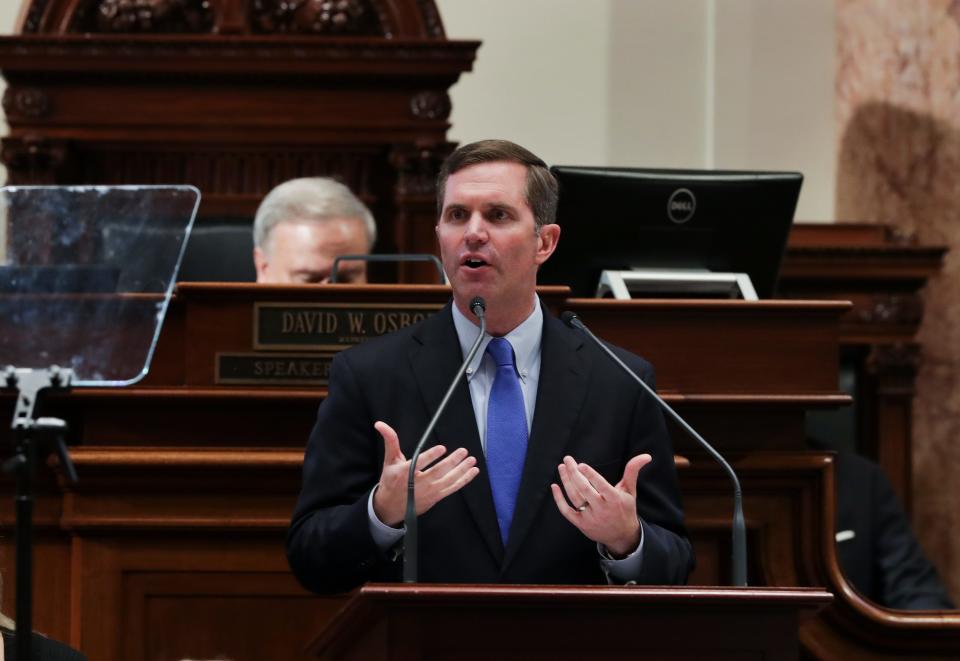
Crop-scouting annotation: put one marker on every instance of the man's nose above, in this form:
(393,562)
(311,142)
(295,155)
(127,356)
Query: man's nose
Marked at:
(476,229)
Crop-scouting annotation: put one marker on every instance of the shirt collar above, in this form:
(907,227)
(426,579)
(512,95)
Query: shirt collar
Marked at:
(525,339)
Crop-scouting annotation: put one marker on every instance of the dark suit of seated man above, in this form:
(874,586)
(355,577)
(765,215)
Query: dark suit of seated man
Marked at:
(875,545)
(559,471)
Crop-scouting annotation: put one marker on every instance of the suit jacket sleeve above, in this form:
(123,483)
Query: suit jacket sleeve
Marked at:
(329,545)
(667,552)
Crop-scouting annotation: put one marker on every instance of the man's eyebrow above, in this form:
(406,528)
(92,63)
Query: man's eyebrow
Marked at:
(497,206)
(452,207)
(485,207)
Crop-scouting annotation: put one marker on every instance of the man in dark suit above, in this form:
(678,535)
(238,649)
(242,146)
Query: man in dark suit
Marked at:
(875,545)
(545,485)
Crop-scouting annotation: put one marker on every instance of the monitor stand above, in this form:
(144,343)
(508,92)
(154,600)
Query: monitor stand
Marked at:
(682,283)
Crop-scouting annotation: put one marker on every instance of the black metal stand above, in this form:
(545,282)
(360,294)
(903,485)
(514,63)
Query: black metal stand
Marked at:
(402,257)
(33,437)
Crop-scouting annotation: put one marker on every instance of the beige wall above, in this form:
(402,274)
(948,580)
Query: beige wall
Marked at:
(656,83)
(540,78)
(659,73)
(774,94)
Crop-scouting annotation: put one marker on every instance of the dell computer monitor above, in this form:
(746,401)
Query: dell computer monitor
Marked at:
(624,218)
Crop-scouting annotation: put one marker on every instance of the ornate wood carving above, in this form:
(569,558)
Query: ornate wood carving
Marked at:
(33,160)
(389,19)
(249,171)
(887,308)
(30,102)
(894,359)
(431,18)
(34,16)
(326,17)
(417,169)
(430,104)
(900,236)
(143,16)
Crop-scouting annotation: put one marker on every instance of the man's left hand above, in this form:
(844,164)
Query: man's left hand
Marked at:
(605,513)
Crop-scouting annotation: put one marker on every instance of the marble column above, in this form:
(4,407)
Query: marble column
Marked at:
(898,139)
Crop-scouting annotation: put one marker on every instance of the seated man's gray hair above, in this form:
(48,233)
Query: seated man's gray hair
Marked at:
(310,198)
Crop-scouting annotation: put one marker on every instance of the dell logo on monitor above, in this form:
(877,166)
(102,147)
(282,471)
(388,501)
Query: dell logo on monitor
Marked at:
(681,205)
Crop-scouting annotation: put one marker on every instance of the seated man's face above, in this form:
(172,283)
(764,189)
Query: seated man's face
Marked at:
(302,251)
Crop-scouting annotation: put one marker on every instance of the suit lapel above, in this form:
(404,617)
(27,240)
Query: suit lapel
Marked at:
(560,395)
(435,355)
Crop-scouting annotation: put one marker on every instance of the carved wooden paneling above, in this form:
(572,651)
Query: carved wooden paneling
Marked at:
(171,595)
(390,19)
(327,17)
(182,478)
(164,553)
(882,272)
(232,607)
(236,96)
(142,16)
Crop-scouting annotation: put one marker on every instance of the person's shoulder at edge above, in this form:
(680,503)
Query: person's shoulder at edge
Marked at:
(42,648)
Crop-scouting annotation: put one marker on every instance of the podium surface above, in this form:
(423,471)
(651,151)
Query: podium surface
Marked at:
(473,622)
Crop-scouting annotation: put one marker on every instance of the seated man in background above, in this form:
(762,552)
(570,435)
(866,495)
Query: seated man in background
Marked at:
(303,224)
(875,545)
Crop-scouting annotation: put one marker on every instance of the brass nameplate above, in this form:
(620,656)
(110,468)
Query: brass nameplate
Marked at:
(329,326)
(273,369)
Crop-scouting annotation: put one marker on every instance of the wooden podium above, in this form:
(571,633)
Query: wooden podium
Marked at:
(529,623)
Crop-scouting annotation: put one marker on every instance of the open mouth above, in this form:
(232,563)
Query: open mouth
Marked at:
(474,263)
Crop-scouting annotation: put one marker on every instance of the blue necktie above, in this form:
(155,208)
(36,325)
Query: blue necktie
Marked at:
(506,434)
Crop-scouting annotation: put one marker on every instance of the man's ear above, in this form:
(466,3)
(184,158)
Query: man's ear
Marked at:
(547,239)
(260,263)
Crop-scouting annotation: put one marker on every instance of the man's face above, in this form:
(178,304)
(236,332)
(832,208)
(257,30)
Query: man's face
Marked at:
(302,251)
(488,242)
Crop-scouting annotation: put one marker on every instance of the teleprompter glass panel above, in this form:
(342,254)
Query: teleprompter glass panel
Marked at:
(86,275)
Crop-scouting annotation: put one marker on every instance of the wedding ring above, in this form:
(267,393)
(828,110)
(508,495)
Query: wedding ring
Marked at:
(583,507)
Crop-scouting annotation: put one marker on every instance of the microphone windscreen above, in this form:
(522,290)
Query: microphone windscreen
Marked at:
(478,302)
(568,318)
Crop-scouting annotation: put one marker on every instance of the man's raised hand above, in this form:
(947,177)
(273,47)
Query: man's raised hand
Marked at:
(433,482)
(603,512)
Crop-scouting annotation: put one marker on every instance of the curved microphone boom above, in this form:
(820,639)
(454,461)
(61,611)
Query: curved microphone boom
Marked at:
(479,308)
(739,560)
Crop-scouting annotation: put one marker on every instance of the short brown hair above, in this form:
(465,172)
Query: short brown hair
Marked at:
(541,191)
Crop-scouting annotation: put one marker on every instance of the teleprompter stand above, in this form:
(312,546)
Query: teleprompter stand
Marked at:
(34,438)
(85,281)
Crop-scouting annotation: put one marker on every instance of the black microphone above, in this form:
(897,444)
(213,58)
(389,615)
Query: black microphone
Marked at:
(479,307)
(739,560)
